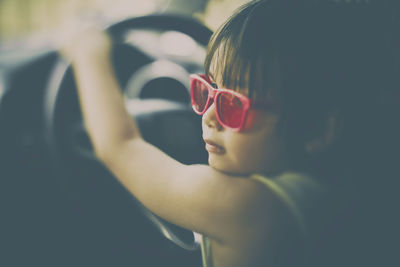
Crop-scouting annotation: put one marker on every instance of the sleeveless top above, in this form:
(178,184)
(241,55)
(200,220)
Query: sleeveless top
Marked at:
(300,193)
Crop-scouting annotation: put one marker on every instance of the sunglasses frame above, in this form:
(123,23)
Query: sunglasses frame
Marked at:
(213,94)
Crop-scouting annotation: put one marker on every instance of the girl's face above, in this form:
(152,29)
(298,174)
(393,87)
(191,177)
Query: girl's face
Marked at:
(256,149)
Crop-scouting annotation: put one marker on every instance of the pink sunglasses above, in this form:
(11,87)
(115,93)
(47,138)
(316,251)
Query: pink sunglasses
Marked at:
(231,107)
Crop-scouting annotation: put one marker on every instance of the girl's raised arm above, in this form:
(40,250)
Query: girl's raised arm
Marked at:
(195,197)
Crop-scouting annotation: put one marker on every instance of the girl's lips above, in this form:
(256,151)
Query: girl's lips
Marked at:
(213,147)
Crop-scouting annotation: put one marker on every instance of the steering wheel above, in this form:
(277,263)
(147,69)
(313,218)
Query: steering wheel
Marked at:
(156,89)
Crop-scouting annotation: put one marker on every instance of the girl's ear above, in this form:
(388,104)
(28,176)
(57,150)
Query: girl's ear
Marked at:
(331,131)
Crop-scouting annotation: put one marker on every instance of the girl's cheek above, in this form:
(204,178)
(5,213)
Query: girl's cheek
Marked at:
(257,120)
(252,121)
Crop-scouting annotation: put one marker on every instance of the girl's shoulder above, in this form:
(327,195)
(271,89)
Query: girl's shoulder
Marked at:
(271,218)
(305,199)
(299,193)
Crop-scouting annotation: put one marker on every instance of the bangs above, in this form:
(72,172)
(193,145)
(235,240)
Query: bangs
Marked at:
(240,63)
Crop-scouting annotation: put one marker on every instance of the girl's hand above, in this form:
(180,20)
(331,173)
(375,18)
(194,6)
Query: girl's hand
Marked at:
(90,43)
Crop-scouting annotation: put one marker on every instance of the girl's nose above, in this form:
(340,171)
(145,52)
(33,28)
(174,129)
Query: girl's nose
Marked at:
(210,118)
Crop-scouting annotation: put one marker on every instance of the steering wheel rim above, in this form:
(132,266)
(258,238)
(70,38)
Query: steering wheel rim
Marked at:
(186,25)
(179,23)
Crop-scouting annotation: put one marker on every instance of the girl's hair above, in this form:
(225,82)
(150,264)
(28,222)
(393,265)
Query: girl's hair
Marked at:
(313,59)
(322,58)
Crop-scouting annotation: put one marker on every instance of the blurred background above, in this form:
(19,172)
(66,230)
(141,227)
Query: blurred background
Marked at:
(33,22)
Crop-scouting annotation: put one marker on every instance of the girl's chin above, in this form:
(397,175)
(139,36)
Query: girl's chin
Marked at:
(222,165)
(218,162)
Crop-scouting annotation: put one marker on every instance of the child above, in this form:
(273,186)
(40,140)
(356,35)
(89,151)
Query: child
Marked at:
(279,138)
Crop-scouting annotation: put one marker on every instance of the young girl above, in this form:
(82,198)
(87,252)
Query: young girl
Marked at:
(280,121)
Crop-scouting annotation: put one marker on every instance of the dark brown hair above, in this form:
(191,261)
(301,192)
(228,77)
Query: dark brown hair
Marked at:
(315,59)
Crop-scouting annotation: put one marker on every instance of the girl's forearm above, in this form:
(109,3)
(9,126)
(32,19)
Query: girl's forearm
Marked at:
(106,119)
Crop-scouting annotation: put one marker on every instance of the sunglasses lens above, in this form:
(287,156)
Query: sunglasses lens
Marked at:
(199,95)
(230,109)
